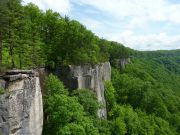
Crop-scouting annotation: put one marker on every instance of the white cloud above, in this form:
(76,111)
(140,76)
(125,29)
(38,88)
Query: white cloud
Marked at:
(150,42)
(92,11)
(61,6)
(156,10)
(127,33)
(111,19)
(92,24)
(138,22)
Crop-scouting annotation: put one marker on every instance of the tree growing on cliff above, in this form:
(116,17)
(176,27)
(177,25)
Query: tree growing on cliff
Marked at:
(3,25)
(30,37)
(15,23)
(34,30)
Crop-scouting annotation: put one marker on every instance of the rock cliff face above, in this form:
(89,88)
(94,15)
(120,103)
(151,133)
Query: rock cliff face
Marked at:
(89,77)
(21,108)
(123,61)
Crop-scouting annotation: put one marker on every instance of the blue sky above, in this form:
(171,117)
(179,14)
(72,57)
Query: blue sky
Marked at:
(138,24)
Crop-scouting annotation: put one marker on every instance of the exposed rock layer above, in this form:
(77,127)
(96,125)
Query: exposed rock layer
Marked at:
(123,62)
(21,108)
(89,77)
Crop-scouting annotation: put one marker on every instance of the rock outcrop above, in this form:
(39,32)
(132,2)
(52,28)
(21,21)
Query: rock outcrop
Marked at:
(88,77)
(122,62)
(21,108)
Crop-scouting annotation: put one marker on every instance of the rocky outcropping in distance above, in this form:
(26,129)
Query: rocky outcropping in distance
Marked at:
(122,62)
(88,77)
(21,108)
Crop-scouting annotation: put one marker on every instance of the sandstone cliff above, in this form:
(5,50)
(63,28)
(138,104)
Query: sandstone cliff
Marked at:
(122,62)
(21,108)
(89,77)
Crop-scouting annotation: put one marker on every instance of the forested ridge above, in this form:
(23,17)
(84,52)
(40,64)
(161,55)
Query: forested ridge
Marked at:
(155,54)
(147,93)
(142,99)
(31,37)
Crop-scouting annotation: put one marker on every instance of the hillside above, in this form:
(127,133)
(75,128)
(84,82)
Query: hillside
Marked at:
(149,89)
(144,98)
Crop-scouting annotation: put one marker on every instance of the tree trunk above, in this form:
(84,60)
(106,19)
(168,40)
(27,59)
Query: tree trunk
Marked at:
(20,61)
(0,50)
(34,55)
(34,62)
(11,51)
(11,46)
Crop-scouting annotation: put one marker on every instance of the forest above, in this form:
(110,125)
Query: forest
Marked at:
(142,99)
(31,37)
(145,95)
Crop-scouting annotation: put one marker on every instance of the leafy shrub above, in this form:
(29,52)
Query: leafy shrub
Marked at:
(2,91)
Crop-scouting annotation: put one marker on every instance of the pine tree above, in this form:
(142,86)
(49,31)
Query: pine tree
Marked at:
(15,22)
(35,16)
(3,25)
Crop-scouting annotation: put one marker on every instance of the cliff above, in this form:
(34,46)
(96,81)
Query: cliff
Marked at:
(88,77)
(21,108)
(122,62)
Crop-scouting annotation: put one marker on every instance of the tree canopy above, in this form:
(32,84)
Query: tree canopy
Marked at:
(31,37)
(144,97)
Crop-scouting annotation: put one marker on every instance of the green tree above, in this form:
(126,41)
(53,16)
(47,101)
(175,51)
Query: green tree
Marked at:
(35,16)
(110,97)
(15,18)
(53,25)
(88,100)
(63,114)
(3,25)
(119,127)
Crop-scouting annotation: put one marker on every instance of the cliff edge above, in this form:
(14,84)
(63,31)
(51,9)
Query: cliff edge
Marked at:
(21,108)
(122,62)
(88,77)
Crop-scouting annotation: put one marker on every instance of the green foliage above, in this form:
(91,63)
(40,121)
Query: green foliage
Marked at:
(155,54)
(29,37)
(105,127)
(65,114)
(117,50)
(2,91)
(110,97)
(54,86)
(62,111)
(119,127)
(147,94)
(88,100)
(114,64)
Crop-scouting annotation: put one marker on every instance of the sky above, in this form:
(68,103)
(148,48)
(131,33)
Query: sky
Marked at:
(139,24)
